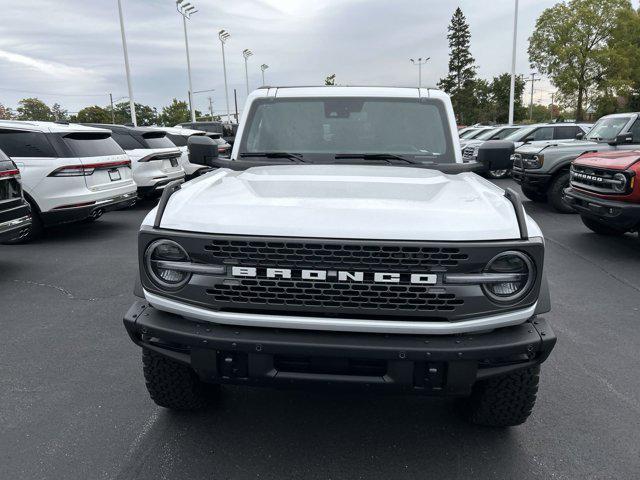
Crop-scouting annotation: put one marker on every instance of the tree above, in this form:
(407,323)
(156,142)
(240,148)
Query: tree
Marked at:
(500,93)
(570,44)
(6,113)
(459,83)
(145,115)
(34,109)
(330,80)
(93,114)
(176,112)
(59,113)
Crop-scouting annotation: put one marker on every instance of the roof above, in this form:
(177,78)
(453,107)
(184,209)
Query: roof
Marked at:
(48,127)
(348,91)
(125,128)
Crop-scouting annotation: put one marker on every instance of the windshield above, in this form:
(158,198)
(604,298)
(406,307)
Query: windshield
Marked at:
(476,135)
(323,128)
(520,134)
(607,128)
(92,145)
(158,141)
(469,132)
(497,134)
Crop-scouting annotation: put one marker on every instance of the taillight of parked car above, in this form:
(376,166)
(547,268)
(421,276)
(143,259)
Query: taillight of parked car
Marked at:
(9,173)
(85,170)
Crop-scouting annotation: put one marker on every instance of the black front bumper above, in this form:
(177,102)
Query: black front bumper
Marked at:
(77,214)
(434,364)
(623,215)
(15,221)
(532,180)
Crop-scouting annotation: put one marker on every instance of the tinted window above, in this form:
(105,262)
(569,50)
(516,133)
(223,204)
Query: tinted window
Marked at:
(563,133)
(505,132)
(480,132)
(635,131)
(468,133)
(25,144)
(543,133)
(326,127)
(126,141)
(158,141)
(178,140)
(92,145)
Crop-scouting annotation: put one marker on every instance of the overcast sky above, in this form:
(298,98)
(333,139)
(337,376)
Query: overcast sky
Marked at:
(70,51)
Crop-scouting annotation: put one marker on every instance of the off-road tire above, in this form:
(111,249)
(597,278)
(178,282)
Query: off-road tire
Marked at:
(505,400)
(600,228)
(173,385)
(555,193)
(534,195)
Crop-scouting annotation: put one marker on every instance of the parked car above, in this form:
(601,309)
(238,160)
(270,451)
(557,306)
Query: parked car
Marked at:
(469,136)
(224,147)
(543,170)
(471,147)
(69,172)
(548,133)
(330,258)
(154,158)
(227,130)
(180,136)
(605,191)
(15,213)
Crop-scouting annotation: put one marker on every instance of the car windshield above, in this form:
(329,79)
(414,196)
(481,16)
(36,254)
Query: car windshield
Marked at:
(328,128)
(520,134)
(607,128)
(469,132)
(477,134)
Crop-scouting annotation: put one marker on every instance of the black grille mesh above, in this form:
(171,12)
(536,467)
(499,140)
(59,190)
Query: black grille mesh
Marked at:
(331,296)
(397,258)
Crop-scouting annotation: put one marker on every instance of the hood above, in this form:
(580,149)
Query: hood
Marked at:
(613,160)
(567,145)
(344,201)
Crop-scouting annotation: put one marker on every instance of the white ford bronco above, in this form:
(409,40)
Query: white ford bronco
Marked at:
(344,244)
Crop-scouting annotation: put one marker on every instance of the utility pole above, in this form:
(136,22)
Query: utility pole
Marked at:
(533,80)
(552,98)
(512,92)
(419,63)
(113,115)
(132,103)
(235,99)
(211,108)
(186,10)
(223,35)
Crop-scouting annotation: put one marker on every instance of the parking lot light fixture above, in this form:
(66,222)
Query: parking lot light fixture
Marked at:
(132,104)
(223,35)
(263,67)
(186,10)
(419,63)
(512,91)
(246,53)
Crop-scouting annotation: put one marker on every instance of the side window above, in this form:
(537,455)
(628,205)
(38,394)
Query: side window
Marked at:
(635,130)
(126,141)
(543,133)
(564,133)
(26,144)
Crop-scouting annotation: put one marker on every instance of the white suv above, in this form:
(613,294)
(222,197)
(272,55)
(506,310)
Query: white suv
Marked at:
(69,172)
(154,158)
(180,137)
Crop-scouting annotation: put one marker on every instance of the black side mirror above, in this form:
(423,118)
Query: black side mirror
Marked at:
(623,139)
(496,154)
(529,139)
(580,136)
(202,151)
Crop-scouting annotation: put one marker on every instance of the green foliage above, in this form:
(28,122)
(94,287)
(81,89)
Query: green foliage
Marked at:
(93,114)
(460,82)
(145,115)
(571,44)
(6,113)
(176,112)
(330,80)
(500,91)
(34,109)
(59,113)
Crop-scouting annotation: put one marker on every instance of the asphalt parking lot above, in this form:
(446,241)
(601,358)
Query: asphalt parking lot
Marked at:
(73,403)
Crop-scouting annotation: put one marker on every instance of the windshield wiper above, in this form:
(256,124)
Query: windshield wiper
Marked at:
(372,156)
(290,156)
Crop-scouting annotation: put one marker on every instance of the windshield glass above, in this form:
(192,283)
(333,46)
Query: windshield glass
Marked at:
(497,134)
(478,133)
(520,134)
(92,145)
(468,133)
(158,141)
(325,127)
(607,128)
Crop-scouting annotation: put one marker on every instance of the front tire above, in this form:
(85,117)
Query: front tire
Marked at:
(556,192)
(600,228)
(172,384)
(505,400)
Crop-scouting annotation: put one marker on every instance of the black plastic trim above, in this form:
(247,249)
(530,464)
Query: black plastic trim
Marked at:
(169,190)
(516,201)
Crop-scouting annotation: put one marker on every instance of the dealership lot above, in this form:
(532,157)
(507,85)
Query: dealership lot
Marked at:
(74,403)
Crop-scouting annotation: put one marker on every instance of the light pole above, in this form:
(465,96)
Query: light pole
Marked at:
(186,10)
(132,104)
(512,92)
(263,67)
(223,35)
(419,63)
(246,53)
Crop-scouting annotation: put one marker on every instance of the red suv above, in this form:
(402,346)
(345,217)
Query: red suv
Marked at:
(605,191)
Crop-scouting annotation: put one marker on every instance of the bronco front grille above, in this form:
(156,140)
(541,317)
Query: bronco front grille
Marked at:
(594,179)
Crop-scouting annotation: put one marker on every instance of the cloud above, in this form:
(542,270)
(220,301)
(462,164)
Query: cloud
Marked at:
(54,69)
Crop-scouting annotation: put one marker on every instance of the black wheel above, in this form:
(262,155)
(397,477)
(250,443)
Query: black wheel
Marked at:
(534,195)
(505,400)
(35,230)
(172,384)
(555,193)
(497,174)
(600,227)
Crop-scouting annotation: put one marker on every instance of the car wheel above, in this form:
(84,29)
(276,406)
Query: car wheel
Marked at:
(504,400)
(497,174)
(600,227)
(534,195)
(174,385)
(556,194)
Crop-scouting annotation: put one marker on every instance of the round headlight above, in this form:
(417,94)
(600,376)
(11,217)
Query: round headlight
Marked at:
(162,260)
(517,272)
(621,185)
